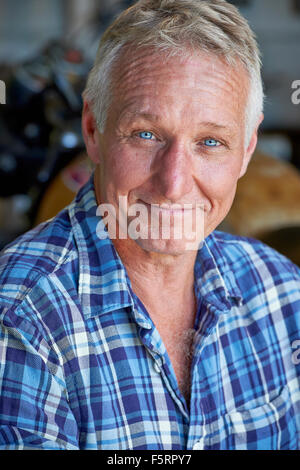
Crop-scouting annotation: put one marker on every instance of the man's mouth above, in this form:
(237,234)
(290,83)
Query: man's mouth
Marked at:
(172,208)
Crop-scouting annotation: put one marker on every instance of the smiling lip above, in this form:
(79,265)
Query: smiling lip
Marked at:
(173,208)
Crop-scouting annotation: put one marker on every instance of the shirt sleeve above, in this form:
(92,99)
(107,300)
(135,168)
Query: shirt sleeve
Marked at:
(34,408)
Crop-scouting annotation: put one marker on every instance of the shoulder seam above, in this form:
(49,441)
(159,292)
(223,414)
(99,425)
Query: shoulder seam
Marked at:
(40,274)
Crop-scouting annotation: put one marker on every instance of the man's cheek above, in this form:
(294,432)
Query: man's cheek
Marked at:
(128,176)
(224,180)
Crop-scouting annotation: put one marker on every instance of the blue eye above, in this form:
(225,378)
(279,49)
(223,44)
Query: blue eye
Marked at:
(146,135)
(211,143)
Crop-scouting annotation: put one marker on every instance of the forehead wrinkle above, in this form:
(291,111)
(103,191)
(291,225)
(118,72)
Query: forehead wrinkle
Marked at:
(149,84)
(132,62)
(127,68)
(153,80)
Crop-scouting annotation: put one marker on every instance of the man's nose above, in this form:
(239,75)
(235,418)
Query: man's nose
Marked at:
(174,175)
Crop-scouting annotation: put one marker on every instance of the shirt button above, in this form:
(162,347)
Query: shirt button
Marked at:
(157,368)
(198,446)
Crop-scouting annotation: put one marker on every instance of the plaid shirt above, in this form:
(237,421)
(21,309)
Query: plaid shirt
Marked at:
(83,367)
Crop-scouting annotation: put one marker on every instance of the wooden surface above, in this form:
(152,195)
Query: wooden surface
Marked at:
(267,198)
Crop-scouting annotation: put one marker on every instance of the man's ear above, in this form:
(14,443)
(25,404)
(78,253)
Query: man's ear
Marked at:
(251,147)
(90,133)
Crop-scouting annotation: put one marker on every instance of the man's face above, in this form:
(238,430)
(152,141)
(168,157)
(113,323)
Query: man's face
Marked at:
(174,135)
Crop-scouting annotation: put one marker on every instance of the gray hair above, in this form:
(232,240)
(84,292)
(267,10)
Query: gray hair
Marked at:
(178,27)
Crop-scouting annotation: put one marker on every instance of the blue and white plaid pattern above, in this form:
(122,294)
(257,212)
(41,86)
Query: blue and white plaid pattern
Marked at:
(83,367)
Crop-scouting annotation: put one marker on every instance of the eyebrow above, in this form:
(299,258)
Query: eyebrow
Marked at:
(137,114)
(155,117)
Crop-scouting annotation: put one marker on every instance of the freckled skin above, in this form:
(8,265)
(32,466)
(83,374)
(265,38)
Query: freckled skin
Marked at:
(182,103)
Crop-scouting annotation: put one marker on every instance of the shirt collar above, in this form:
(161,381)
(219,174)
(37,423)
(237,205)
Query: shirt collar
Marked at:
(104,285)
(214,279)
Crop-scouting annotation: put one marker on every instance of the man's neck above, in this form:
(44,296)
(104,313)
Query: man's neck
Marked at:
(159,280)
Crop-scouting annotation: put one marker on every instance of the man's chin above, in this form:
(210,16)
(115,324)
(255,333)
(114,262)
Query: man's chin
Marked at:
(169,247)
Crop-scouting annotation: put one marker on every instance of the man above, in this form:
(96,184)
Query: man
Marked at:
(118,336)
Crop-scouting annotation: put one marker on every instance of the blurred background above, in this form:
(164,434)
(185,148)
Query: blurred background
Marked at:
(47,48)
